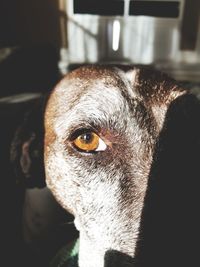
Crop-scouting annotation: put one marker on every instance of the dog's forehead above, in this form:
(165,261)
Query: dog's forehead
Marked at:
(99,90)
(93,88)
(97,79)
(96,96)
(146,84)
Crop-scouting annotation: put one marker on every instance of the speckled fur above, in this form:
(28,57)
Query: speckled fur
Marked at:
(105,191)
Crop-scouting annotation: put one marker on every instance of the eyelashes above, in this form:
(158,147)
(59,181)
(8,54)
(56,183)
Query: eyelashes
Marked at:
(87,141)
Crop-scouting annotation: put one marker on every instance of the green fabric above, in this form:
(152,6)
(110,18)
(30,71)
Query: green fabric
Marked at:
(67,256)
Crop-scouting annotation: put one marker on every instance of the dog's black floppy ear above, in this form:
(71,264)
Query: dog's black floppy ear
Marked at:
(27,148)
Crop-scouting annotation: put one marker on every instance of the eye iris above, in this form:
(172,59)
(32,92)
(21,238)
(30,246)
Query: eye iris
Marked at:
(87,142)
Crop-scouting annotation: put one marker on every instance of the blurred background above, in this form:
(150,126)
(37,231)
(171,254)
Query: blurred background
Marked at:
(40,41)
(58,35)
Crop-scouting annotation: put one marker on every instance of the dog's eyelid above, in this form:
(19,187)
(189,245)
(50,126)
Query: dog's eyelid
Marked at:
(79,131)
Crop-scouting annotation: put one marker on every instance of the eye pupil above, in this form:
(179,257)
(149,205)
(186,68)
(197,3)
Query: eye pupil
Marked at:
(87,138)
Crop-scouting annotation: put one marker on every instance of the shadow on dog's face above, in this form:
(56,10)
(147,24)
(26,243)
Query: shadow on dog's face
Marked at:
(114,158)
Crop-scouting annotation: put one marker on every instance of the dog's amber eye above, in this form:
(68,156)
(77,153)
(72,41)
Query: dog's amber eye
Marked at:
(89,142)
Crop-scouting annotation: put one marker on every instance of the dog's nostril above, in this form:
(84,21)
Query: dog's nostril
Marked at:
(114,258)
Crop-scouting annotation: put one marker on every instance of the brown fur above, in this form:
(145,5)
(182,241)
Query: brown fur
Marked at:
(105,191)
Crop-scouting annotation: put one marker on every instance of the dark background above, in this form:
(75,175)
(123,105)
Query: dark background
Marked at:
(31,30)
(29,22)
(30,41)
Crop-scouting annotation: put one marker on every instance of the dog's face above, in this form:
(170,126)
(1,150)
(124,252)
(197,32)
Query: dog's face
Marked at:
(101,127)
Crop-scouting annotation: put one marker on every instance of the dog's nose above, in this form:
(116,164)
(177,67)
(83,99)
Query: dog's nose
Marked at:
(114,258)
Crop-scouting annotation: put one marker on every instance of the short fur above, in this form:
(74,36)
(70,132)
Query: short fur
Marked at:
(105,191)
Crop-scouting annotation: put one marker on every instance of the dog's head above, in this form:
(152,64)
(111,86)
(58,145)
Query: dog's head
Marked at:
(101,129)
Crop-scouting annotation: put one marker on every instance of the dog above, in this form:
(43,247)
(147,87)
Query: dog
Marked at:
(121,152)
